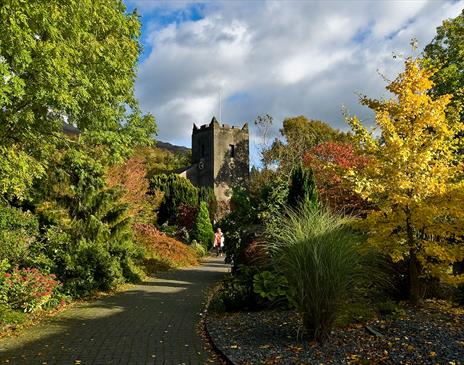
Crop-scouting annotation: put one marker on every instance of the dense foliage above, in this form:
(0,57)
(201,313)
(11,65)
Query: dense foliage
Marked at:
(71,62)
(445,54)
(330,161)
(203,229)
(319,257)
(177,191)
(66,209)
(413,179)
(302,189)
(18,231)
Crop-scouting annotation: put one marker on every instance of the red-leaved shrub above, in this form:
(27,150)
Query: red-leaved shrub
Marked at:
(165,248)
(27,289)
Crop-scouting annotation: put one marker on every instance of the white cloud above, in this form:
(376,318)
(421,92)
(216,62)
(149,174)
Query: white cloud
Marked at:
(283,58)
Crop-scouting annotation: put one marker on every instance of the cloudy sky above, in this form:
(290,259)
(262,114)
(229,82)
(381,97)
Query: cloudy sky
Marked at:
(283,58)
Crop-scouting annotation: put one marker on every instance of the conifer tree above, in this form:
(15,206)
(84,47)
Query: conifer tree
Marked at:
(203,229)
(302,189)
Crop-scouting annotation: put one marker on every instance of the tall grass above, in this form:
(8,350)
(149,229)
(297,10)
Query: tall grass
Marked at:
(320,257)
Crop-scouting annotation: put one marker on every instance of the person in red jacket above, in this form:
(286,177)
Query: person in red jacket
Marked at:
(218,242)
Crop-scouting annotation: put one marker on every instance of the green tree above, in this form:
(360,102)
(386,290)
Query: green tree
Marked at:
(88,235)
(177,191)
(65,61)
(445,53)
(302,189)
(203,229)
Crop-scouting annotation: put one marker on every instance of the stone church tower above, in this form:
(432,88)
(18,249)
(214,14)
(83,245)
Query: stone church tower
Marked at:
(220,157)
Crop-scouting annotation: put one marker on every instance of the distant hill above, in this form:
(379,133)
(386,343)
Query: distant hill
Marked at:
(181,150)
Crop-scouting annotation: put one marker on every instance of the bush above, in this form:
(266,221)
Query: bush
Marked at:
(18,230)
(319,257)
(199,249)
(186,216)
(203,229)
(177,191)
(162,251)
(206,194)
(270,286)
(10,316)
(27,289)
(302,189)
(236,292)
(96,250)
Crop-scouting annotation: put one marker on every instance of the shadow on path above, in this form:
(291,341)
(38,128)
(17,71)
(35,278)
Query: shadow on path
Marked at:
(151,323)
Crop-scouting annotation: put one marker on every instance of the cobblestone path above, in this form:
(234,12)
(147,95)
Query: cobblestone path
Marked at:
(151,323)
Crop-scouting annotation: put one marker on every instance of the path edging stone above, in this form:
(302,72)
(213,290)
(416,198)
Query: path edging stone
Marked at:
(220,352)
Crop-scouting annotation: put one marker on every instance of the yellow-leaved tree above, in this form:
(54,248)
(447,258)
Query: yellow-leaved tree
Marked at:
(414,178)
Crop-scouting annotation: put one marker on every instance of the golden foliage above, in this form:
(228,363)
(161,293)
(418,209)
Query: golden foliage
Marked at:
(415,176)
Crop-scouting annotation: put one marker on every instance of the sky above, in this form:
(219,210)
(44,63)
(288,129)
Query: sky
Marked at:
(282,58)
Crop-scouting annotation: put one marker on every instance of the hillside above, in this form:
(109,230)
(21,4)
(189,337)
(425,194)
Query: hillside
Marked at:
(182,150)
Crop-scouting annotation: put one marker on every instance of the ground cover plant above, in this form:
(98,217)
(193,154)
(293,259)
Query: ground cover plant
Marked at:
(162,251)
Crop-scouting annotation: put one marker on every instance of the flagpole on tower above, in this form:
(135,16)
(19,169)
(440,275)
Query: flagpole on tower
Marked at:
(220,107)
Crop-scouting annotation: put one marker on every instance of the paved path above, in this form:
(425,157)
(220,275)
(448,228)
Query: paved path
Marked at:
(151,323)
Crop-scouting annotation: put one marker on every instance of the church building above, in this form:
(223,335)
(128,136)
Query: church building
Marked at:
(220,158)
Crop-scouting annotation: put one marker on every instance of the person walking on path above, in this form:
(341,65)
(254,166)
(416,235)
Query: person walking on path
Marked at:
(218,243)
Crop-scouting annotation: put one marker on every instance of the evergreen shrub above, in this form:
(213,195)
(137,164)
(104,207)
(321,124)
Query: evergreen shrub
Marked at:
(177,191)
(203,229)
(302,189)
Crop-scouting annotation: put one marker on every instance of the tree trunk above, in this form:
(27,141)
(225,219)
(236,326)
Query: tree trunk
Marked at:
(416,288)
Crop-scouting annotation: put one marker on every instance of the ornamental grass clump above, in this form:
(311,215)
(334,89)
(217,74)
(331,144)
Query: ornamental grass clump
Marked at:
(319,256)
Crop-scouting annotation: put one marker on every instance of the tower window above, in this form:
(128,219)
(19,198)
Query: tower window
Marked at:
(232,150)
(202,151)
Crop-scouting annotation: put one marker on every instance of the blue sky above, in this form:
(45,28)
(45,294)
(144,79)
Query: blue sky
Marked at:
(283,58)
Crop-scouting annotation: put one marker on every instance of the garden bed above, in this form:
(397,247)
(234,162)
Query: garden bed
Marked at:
(433,334)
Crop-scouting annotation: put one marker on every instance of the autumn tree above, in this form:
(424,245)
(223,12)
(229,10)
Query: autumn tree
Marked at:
(330,161)
(412,178)
(299,135)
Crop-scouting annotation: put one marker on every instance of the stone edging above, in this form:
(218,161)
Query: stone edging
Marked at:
(210,339)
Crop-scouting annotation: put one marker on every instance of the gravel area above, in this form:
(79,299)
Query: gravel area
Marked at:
(433,334)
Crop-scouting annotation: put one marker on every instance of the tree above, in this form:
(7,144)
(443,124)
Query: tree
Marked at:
(445,52)
(203,229)
(300,135)
(132,178)
(412,178)
(329,161)
(66,61)
(177,191)
(302,189)
(87,228)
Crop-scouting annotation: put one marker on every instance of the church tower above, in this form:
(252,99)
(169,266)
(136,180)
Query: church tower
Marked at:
(220,157)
